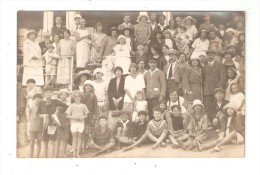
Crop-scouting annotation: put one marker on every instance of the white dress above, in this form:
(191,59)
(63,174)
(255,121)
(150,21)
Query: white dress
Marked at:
(140,106)
(82,49)
(122,57)
(200,47)
(32,68)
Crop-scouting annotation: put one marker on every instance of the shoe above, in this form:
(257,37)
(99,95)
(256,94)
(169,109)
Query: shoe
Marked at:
(198,145)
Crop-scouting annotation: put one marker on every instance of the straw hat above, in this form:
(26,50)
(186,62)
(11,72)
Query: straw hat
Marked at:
(227,106)
(30,32)
(173,51)
(194,58)
(230,30)
(98,70)
(197,102)
(143,14)
(126,28)
(77,16)
(63,91)
(121,36)
(227,52)
(87,73)
(189,18)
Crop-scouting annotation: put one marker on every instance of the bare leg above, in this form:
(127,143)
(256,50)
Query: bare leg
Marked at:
(138,142)
(95,146)
(52,148)
(31,148)
(45,149)
(79,143)
(57,148)
(49,80)
(226,140)
(160,141)
(118,135)
(38,149)
(173,140)
(106,148)
(64,143)
(74,143)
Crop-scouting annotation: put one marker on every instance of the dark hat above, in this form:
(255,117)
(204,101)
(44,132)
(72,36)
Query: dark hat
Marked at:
(142,113)
(113,28)
(126,28)
(232,45)
(48,88)
(118,68)
(211,51)
(175,106)
(87,73)
(219,89)
(229,62)
(30,81)
(37,96)
(227,52)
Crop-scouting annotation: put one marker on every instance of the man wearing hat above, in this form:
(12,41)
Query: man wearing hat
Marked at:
(155,86)
(58,28)
(214,76)
(76,26)
(46,40)
(172,72)
(126,23)
(108,43)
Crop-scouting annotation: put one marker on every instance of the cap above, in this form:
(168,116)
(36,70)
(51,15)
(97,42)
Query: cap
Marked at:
(219,89)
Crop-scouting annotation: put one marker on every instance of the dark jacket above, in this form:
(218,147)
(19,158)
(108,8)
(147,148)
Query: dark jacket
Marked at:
(59,31)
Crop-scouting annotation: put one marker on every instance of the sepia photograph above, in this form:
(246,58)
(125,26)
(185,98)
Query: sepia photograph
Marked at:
(130,84)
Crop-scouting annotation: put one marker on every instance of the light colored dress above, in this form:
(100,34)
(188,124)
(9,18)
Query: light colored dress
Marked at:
(97,38)
(64,64)
(200,47)
(122,57)
(82,49)
(142,31)
(32,68)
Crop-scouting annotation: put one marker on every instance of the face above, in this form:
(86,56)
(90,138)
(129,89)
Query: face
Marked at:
(157,115)
(126,32)
(113,32)
(242,37)
(142,118)
(230,73)
(88,88)
(99,28)
(51,49)
(152,65)
(167,36)
(178,21)
(58,20)
(82,22)
(83,78)
(56,38)
(182,58)
(153,51)
(30,85)
(165,50)
(230,111)
(229,34)
(163,106)
(133,69)
(174,96)
(37,100)
(32,36)
(212,35)
(161,20)
(232,49)
(143,19)
(203,33)
(172,58)
(77,98)
(172,23)
(98,76)
(219,95)
(140,50)
(127,19)
(210,56)
(103,123)
(63,96)
(194,63)
(188,22)
(48,94)
(66,35)
(118,73)
(198,108)
(77,20)
(141,65)
(176,112)
(158,35)
(234,89)
(122,41)
(153,17)
(139,97)
(124,117)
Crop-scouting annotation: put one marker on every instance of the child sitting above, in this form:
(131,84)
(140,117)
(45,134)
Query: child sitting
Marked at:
(35,125)
(102,137)
(216,113)
(175,99)
(197,127)
(156,131)
(76,112)
(176,126)
(168,39)
(50,67)
(123,130)
(139,105)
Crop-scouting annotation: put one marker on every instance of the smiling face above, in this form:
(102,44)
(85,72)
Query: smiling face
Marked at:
(219,95)
(203,33)
(63,96)
(56,38)
(197,109)
(174,96)
(172,58)
(182,58)
(163,106)
(103,123)
(195,62)
(157,115)
(152,65)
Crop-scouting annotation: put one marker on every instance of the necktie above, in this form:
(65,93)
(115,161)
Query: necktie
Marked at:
(170,73)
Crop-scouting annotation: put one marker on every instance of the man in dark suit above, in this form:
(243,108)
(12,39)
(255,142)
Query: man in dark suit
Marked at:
(172,73)
(162,25)
(214,74)
(46,40)
(58,29)
(153,24)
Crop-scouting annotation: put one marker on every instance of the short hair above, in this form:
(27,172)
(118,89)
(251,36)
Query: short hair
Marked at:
(30,81)
(163,102)
(162,16)
(37,96)
(142,113)
(68,31)
(157,108)
(98,24)
(157,48)
(174,107)
(76,92)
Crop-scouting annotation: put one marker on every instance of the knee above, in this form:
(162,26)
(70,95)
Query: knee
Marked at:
(215,122)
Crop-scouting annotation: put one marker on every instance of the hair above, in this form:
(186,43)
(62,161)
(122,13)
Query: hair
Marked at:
(175,106)
(133,65)
(230,88)
(98,24)
(235,111)
(37,96)
(175,26)
(140,46)
(163,102)
(85,87)
(102,117)
(162,16)
(157,108)
(138,93)
(181,53)
(76,92)
(178,96)
(30,81)
(142,113)
(167,47)
(199,33)
(68,31)
(157,48)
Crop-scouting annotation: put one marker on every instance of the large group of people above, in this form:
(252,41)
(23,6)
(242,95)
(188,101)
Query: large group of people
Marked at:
(161,83)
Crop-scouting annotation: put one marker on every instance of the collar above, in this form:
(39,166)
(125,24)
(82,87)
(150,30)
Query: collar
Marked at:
(162,26)
(212,62)
(46,100)
(153,71)
(127,24)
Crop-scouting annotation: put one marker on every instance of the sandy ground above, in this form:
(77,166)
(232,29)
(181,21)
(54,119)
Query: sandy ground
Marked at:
(146,151)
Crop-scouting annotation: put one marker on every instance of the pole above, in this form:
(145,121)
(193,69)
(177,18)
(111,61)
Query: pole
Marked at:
(71,73)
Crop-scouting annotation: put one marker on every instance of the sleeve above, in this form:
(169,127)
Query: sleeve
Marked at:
(165,127)
(141,82)
(110,90)
(127,84)
(185,80)
(86,111)
(69,111)
(194,44)
(163,83)
(223,76)
(148,129)
(103,46)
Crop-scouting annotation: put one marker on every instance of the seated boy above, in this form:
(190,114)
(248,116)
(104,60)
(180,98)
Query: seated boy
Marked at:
(216,114)
(123,130)
(102,137)
(139,128)
(156,131)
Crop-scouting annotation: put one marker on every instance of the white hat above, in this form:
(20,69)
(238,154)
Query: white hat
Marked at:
(229,105)
(197,102)
(77,16)
(46,34)
(89,82)
(121,36)
(230,30)
(98,70)
(189,18)
(142,14)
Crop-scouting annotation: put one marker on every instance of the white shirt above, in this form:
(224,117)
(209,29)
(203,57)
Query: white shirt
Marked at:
(133,85)
(211,63)
(153,25)
(100,90)
(161,27)
(168,71)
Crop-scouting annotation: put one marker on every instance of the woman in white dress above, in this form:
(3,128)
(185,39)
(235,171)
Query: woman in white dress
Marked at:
(32,60)
(83,41)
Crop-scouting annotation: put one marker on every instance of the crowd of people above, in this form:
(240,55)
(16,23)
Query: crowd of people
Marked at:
(166,83)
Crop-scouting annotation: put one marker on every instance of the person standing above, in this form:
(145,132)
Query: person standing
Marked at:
(58,28)
(126,23)
(142,30)
(155,86)
(214,77)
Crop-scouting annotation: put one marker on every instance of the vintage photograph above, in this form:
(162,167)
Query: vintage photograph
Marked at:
(130,84)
